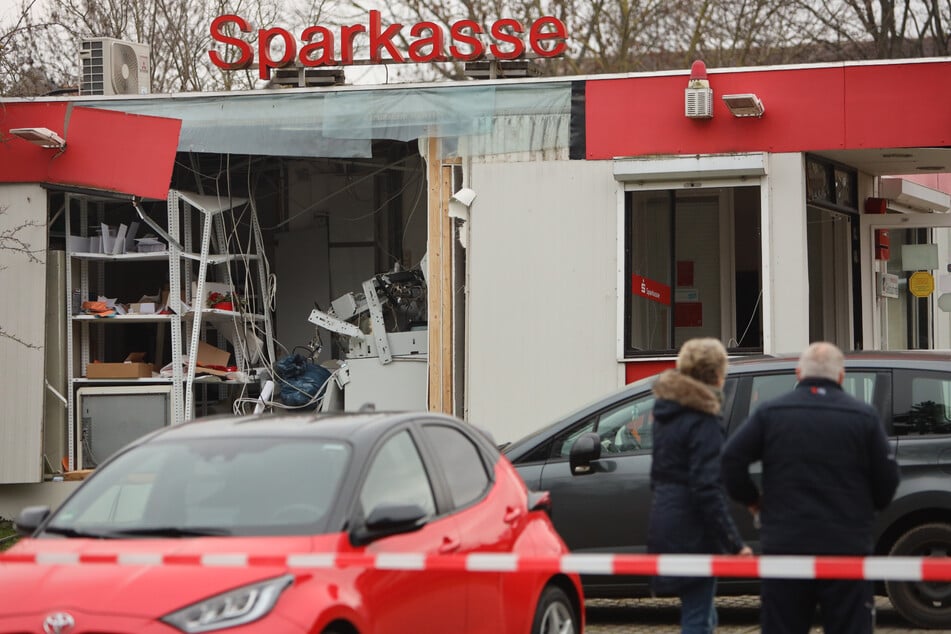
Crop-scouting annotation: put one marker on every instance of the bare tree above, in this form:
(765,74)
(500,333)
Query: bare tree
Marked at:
(41,50)
(879,29)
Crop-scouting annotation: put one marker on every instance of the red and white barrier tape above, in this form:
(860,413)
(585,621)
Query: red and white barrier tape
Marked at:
(764,567)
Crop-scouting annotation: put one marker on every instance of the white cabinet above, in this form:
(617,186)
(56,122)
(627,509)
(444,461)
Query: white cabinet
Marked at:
(198,231)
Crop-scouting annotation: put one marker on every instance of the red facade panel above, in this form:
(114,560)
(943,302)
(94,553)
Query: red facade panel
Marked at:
(807,109)
(105,150)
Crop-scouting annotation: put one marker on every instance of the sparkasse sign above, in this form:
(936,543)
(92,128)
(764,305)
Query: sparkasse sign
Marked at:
(546,38)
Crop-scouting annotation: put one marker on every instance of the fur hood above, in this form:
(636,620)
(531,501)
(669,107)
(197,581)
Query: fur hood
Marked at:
(674,386)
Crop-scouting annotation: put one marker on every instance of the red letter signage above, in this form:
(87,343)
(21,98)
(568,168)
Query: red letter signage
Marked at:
(427,42)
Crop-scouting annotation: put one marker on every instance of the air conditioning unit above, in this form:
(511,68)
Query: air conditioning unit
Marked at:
(114,67)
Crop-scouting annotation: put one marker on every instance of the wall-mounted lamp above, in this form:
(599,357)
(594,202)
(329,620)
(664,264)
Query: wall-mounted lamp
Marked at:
(44,137)
(744,105)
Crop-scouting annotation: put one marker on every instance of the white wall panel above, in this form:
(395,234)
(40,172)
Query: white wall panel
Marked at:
(785,270)
(22,331)
(542,292)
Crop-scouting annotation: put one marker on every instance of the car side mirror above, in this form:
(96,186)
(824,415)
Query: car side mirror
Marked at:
(30,519)
(585,450)
(388,519)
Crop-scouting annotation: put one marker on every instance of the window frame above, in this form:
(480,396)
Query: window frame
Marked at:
(727,262)
(902,399)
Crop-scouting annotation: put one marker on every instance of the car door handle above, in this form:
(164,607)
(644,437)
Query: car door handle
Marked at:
(449,545)
(512,514)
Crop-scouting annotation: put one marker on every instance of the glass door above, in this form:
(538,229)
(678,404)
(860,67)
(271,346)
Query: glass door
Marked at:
(829,240)
(904,296)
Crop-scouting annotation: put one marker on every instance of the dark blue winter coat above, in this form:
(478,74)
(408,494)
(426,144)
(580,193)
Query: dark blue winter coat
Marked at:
(826,469)
(689,510)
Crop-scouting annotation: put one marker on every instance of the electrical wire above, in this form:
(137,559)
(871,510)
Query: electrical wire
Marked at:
(752,317)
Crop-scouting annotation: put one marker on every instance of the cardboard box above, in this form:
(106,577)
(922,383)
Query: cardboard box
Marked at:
(133,367)
(142,308)
(209,355)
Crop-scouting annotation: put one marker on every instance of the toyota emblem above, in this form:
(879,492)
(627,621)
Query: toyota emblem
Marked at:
(59,623)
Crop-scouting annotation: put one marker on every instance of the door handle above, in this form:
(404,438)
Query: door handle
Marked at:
(512,514)
(449,545)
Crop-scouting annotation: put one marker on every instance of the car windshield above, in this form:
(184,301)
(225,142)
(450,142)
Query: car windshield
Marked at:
(214,486)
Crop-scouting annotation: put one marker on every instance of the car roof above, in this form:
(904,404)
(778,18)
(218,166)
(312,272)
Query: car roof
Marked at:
(347,426)
(915,359)
(920,359)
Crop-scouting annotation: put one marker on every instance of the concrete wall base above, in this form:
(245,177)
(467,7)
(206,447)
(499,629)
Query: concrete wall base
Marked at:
(14,497)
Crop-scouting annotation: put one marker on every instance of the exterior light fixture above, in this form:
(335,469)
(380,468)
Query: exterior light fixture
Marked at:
(744,105)
(698,96)
(43,137)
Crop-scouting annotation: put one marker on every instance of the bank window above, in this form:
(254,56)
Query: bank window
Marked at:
(693,269)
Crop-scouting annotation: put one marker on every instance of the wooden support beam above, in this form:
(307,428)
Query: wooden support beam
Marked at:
(439,262)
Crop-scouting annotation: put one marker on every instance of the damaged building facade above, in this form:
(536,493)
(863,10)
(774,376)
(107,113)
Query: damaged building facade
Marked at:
(503,250)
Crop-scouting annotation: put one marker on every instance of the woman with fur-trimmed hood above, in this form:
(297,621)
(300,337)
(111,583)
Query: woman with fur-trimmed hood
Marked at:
(689,512)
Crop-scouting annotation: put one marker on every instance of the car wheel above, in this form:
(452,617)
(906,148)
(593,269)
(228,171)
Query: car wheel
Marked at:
(925,604)
(554,614)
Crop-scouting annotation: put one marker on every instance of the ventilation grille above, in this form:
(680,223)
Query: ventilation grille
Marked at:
(698,103)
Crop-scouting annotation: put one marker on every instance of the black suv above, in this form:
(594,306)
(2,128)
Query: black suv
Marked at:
(604,508)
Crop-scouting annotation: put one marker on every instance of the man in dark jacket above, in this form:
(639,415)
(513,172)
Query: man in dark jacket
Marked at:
(688,507)
(827,469)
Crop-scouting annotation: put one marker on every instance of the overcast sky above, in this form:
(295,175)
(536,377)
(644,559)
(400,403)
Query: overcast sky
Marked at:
(10,9)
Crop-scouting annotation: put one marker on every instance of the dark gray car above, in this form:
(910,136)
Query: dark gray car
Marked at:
(600,487)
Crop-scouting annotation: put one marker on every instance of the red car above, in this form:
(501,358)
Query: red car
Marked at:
(210,525)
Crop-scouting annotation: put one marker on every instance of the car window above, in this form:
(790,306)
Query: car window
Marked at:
(765,387)
(768,386)
(397,476)
(922,404)
(623,428)
(628,427)
(461,464)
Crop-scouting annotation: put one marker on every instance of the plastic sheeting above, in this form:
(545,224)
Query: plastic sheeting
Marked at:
(492,118)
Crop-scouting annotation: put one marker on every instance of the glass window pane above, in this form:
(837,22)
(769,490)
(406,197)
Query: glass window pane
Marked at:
(397,476)
(649,294)
(561,448)
(861,385)
(246,486)
(769,386)
(930,410)
(461,463)
(628,427)
(684,280)
(817,181)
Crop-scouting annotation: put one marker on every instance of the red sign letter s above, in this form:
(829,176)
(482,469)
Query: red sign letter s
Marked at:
(246,55)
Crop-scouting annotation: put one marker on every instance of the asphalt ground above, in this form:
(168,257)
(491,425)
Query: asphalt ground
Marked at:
(738,615)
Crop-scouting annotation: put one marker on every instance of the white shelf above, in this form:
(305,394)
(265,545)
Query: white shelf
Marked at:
(154,379)
(214,315)
(152,256)
(138,319)
(221,258)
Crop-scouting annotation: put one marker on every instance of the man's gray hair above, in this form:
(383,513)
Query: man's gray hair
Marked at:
(821,360)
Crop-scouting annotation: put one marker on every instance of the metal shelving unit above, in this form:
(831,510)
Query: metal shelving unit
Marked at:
(187,321)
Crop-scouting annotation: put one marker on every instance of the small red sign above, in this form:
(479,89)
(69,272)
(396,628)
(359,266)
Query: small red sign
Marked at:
(684,272)
(651,289)
(688,315)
